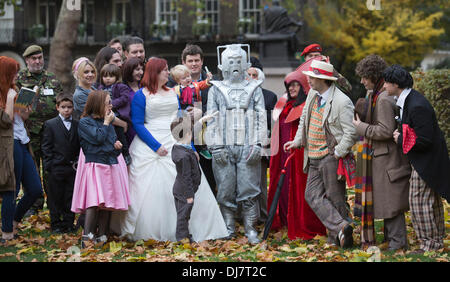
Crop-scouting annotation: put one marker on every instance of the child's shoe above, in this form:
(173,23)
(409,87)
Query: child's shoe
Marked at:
(206,154)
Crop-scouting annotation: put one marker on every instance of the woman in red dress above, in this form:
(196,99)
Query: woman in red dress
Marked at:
(293,210)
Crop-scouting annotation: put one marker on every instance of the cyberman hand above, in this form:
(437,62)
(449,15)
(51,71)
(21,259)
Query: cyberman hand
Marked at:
(254,155)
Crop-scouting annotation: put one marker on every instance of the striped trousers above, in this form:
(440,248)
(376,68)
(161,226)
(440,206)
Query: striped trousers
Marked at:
(427,214)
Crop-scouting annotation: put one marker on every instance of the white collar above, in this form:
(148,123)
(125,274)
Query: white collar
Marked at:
(401,99)
(63,119)
(324,95)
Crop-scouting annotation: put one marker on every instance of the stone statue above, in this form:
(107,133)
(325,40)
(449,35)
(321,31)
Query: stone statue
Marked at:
(234,138)
(277,20)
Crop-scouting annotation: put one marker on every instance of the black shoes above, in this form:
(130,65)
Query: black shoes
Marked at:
(345,236)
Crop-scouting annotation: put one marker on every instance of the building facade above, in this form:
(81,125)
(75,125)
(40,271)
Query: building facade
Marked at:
(165,25)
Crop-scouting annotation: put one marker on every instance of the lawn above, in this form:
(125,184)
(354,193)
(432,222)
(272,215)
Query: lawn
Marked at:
(37,243)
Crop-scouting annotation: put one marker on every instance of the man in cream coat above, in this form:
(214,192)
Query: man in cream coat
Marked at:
(327,134)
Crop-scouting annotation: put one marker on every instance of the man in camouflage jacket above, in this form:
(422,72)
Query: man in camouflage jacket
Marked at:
(44,104)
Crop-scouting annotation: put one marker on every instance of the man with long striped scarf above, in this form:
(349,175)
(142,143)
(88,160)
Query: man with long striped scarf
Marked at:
(382,170)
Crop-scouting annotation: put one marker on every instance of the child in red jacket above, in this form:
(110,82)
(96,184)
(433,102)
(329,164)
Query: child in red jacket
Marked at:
(187,90)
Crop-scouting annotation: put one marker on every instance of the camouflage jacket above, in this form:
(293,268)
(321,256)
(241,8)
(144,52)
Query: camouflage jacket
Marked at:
(44,105)
(343,84)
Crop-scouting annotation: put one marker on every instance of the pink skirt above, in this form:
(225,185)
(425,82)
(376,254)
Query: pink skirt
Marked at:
(100,185)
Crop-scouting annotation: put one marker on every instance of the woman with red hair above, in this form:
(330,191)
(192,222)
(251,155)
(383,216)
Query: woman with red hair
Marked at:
(16,163)
(8,72)
(152,213)
(293,211)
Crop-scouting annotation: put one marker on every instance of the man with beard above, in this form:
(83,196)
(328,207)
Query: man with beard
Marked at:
(44,105)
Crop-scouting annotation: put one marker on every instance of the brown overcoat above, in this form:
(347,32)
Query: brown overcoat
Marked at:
(7,178)
(390,168)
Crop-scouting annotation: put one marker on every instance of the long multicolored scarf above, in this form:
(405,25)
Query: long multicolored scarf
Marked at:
(363,186)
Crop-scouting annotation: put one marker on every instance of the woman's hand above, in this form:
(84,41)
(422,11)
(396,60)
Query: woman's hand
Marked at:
(118,145)
(25,113)
(356,120)
(11,94)
(162,151)
(109,117)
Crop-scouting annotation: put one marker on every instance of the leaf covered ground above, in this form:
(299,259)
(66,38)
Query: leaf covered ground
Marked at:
(37,243)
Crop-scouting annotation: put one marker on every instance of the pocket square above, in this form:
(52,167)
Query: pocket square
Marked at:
(409,138)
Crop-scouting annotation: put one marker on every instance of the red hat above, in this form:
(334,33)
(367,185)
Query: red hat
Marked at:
(311,48)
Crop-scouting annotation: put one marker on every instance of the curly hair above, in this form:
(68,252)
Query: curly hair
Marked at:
(371,67)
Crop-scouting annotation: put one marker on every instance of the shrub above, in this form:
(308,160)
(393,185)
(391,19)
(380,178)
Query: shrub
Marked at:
(435,85)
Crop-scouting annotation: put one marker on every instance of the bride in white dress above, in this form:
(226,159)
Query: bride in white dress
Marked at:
(152,213)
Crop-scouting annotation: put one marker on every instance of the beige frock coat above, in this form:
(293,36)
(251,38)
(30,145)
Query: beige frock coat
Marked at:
(390,167)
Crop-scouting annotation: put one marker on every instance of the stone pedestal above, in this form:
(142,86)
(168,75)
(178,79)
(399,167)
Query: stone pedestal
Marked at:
(278,50)
(277,55)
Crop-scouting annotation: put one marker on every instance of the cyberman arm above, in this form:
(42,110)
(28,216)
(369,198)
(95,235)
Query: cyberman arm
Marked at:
(259,130)
(213,135)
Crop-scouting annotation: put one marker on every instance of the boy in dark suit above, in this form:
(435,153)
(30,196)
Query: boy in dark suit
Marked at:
(188,174)
(60,147)
(421,139)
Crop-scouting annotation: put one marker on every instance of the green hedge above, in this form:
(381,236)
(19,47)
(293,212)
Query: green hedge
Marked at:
(435,85)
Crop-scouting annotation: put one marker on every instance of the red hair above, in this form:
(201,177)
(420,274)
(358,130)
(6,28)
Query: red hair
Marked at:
(8,70)
(153,68)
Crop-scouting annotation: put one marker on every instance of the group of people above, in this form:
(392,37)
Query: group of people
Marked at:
(148,152)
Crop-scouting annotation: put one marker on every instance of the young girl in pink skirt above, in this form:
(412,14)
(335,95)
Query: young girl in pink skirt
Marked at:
(101,183)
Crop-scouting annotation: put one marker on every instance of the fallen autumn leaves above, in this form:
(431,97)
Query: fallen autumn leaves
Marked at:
(36,243)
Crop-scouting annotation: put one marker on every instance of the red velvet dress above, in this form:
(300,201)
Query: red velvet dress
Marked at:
(292,210)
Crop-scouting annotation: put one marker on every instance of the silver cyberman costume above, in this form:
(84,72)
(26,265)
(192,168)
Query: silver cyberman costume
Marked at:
(234,138)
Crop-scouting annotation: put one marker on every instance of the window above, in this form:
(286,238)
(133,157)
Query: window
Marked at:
(250,12)
(208,12)
(122,14)
(166,16)
(47,14)
(87,18)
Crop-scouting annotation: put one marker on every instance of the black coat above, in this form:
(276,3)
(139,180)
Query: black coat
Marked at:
(60,147)
(270,99)
(429,155)
(188,172)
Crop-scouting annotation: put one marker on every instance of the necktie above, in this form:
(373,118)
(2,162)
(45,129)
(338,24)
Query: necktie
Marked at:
(319,101)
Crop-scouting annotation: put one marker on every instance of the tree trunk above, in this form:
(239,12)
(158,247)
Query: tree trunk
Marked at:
(63,42)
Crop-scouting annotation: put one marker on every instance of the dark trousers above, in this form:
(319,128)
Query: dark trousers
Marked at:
(206,166)
(8,209)
(395,231)
(39,203)
(59,197)
(183,215)
(27,175)
(325,195)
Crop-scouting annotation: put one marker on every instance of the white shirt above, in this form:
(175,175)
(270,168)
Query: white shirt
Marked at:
(67,123)
(20,133)
(324,96)
(401,99)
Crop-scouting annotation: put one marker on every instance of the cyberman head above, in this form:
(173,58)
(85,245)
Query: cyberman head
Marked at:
(234,62)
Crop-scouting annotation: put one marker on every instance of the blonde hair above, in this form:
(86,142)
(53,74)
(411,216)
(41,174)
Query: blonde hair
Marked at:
(177,71)
(79,65)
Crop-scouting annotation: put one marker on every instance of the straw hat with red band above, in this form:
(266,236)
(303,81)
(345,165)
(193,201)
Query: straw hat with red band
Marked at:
(320,69)
(311,48)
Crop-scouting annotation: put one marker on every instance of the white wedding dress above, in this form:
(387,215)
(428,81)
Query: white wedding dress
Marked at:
(152,213)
